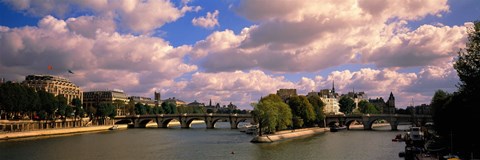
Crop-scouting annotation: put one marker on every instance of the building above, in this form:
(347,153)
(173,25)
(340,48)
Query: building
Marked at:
(357,97)
(55,85)
(390,109)
(232,106)
(330,99)
(196,104)
(175,101)
(384,107)
(94,98)
(286,93)
(157,98)
(212,108)
(143,100)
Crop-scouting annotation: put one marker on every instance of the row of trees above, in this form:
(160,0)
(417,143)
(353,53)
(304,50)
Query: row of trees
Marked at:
(273,114)
(21,102)
(455,114)
(347,106)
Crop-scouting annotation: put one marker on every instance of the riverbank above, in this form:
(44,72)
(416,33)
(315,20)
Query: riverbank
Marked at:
(290,134)
(49,132)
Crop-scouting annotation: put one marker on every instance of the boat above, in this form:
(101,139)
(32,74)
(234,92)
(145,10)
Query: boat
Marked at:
(244,127)
(253,129)
(114,127)
(398,138)
(337,128)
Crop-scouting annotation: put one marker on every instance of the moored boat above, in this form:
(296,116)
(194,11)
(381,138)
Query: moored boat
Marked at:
(337,128)
(114,127)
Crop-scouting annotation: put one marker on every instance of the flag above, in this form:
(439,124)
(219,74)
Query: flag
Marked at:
(50,67)
(69,71)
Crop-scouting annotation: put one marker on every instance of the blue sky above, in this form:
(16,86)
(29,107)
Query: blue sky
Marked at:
(236,51)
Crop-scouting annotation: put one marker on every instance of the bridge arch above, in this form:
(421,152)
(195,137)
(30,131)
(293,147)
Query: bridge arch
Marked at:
(351,121)
(392,123)
(241,120)
(164,123)
(188,121)
(124,121)
(215,120)
(142,123)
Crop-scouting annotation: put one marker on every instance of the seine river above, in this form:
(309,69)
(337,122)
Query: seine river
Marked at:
(200,143)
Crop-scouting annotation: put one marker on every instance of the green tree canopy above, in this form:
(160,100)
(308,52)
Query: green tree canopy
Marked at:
(346,104)
(367,108)
(317,105)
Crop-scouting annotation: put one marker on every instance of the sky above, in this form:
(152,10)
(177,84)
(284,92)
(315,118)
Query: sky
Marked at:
(237,51)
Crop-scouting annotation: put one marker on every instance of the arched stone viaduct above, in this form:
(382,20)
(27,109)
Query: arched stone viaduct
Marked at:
(162,120)
(368,119)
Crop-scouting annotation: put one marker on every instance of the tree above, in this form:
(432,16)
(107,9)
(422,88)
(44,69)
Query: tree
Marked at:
(266,115)
(468,64)
(302,109)
(346,104)
(284,113)
(78,107)
(48,102)
(106,110)
(367,108)
(440,100)
(454,114)
(317,105)
(120,105)
(140,109)
(130,108)
(62,105)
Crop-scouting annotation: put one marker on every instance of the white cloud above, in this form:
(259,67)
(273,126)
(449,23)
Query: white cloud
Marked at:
(88,26)
(238,87)
(209,21)
(139,16)
(295,36)
(427,45)
(108,60)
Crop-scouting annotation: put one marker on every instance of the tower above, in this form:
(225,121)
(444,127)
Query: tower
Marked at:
(333,86)
(157,98)
(391,100)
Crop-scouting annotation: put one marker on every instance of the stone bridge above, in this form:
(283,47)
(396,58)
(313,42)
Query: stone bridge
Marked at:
(162,120)
(368,119)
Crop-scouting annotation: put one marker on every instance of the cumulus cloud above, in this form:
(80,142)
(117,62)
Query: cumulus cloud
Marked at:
(426,45)
(313,35)
(136,16)
(108,60)
(238,87)
(244,87)
(209,21)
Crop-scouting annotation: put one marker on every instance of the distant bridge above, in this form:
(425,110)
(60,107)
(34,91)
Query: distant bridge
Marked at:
(368,119)
(162,120)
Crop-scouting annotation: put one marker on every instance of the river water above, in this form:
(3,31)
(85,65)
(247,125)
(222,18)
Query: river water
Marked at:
(201,143)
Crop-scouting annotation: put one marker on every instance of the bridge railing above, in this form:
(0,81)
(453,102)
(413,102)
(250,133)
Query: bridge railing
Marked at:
(185,114)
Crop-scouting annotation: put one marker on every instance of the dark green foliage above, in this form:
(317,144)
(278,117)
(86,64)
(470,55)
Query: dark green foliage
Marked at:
(140,109)
(106,110)
(62,105)
(456,114)
(77,103)
(209,110)
(157,110)
(468,64)
(272,114)
(317,105)
(346,105)
(169,108)
(367,108)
